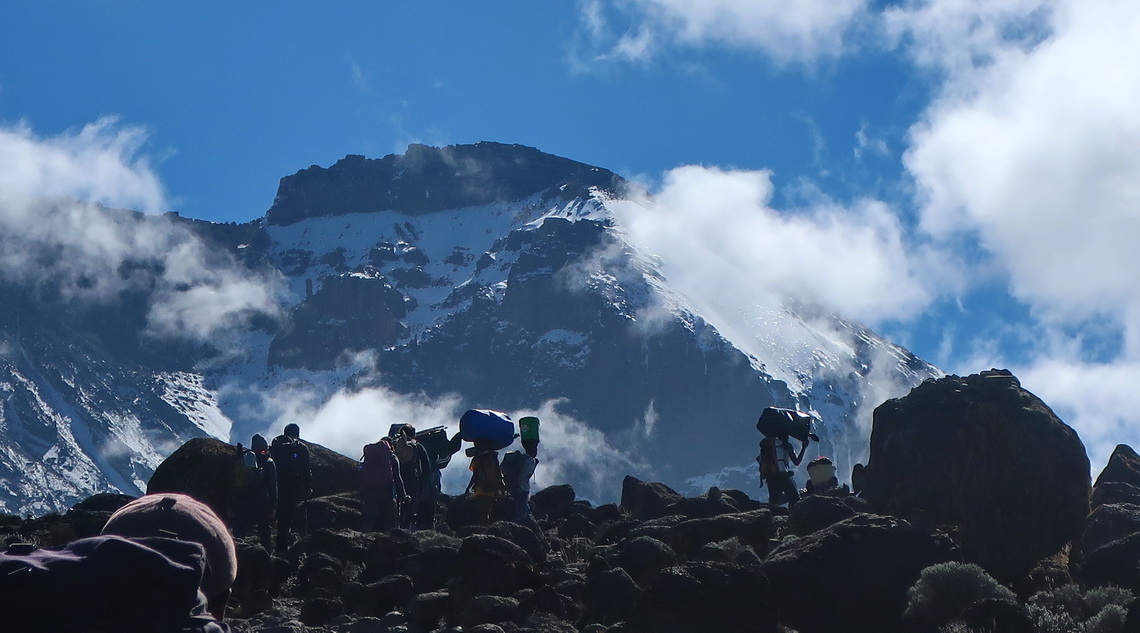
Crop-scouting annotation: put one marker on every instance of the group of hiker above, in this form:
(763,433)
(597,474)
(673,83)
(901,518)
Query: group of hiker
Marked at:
(401,480)
(275,479)
(778,459)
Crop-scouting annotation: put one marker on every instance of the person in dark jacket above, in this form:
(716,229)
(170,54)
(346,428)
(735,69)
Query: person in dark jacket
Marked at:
(416,472)
(294,479)
(256,493)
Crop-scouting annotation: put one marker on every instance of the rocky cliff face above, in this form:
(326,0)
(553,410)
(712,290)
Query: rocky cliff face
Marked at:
(426,179)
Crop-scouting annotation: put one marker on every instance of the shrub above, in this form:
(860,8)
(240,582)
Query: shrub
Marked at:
(943,592)
(1068,610)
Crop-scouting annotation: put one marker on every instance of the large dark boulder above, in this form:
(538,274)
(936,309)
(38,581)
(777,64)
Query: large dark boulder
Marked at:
(703,596)
(815,512)
(608,596)
(646,500)
(982,454)
(853,575)
(208,469)
(204,468)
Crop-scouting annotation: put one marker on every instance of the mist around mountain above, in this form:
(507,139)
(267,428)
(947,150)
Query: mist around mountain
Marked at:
(408,289)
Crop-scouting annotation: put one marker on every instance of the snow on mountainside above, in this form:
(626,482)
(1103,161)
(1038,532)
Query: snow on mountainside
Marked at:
(471,276)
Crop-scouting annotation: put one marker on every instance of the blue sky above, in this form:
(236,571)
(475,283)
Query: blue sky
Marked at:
(961,176)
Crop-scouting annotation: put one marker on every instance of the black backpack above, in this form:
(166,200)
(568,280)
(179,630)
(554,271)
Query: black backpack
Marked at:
(512,468)
(291,457)
(103,584)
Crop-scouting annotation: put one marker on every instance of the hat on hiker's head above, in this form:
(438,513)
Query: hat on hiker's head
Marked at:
(292,430)
(258,444)
(180,516)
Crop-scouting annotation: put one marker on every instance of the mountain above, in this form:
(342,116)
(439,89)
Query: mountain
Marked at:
(411,288)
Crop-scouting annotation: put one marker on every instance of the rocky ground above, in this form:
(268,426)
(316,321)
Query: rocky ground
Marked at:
(976,514)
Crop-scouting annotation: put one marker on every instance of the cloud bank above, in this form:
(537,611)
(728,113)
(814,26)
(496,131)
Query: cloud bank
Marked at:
(61,235)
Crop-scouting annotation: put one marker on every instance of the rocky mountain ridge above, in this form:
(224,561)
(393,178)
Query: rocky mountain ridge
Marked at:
(524,293)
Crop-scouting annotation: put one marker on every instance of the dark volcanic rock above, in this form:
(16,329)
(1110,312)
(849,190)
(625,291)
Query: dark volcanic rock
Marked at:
(1119,482)
(1108,551)
(982,454)
(204,468)
(853,575)
(754,528)
(489,565)
(646,500)
(608,596)
(815,512)
(643,556)
(349,313)
(426,179)
(721,597)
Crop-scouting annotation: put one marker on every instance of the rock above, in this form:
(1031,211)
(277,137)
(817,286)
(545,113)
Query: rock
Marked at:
(332,512)
(1108,551)
(552,500)
(488,610)
(427,610)
(753,528)
(318,611)
(380,597)
(643,556)
(526,535)
(608,596)
(815,512)
(321,573)
(852,575)
(457,175)
(1119,482)
(709,505)
(346,545)
(432,568)
(204,468)
(643,500)
(256,576)
(489,565)
(721,597)
(984,455)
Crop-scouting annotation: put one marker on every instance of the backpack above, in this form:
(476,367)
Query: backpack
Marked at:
(376,467)
(103,583)
(512,468)
(769,462)
(403,449)
(291,457)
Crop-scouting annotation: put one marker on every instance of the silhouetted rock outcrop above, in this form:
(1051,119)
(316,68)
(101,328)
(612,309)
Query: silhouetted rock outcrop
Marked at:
(853,575)
(982,454)
(1119,482)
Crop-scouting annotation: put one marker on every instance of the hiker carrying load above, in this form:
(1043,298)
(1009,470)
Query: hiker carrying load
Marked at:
(777,459)
(490,431)
(518,467)
(381,487)
(415,470)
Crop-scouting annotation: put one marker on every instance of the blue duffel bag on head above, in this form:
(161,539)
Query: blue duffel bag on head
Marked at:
(493,429)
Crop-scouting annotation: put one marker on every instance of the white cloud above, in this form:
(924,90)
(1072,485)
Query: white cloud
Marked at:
(789,32)
(59,235)
(1033,149)
(720,237)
